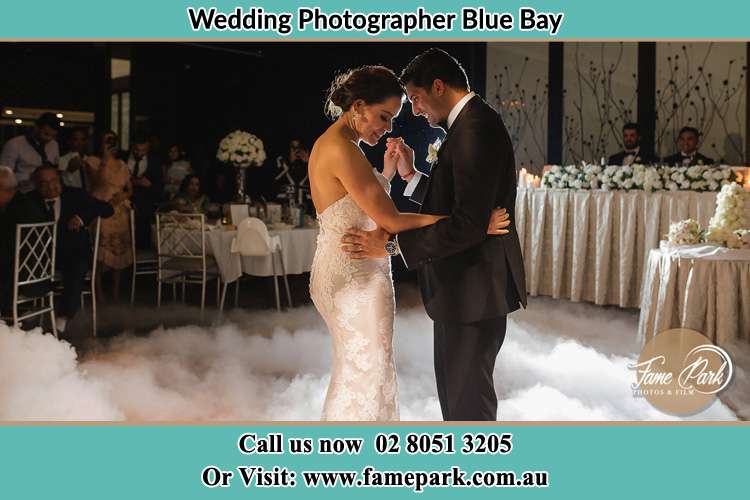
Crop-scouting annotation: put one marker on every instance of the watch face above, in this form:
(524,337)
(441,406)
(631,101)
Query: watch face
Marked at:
(391,248)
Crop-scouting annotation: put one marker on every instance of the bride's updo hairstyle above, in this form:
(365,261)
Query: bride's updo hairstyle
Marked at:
(372,84)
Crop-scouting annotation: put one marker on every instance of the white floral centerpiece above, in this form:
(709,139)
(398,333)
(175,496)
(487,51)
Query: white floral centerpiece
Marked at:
(730,215)
(241,150)
(685,232)
(740,239)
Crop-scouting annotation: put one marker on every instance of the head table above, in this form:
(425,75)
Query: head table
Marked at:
(593,245)
(701,287)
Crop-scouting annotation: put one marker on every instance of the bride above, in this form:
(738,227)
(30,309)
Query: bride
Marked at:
(355,297)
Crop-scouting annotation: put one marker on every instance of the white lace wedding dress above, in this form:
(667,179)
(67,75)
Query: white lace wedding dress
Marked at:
(356,300)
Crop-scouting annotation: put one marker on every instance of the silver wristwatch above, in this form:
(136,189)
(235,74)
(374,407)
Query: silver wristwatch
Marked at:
(391,247)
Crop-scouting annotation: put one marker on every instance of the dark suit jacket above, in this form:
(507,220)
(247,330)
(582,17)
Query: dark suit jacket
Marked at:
(464,274)
(74,201)
(642,158)
(698,159)
(146,199)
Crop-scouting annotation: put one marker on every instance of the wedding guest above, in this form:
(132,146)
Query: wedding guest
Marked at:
(74,164)
(111,183)
(73,209)
(15,208)
(191,199)
(222,185)
(147,179)
(27,152)
(688,155)
(632,153)
(175,169)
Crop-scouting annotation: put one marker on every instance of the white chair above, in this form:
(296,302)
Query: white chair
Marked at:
(89,287)
(253,240)
(181,253)
(34,264)
(145,262)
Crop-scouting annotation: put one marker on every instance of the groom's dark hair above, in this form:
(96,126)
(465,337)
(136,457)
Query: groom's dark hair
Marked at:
(435,64)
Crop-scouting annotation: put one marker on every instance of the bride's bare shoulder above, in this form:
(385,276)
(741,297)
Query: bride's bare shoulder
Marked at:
(333,147)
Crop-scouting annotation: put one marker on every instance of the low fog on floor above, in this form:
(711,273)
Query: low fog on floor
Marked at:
(560,361)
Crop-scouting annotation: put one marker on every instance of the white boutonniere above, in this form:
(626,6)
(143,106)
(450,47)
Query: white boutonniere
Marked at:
(432,151)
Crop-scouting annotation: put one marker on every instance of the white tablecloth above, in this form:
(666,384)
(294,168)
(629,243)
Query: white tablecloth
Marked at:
(704,288)
(593,245)
(298,250)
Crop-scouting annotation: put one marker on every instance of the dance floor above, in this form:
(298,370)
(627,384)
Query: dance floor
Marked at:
(560,361)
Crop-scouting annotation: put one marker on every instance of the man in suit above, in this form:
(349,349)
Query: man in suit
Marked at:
(632,154)
(688,155)
(470,281)
(74,210)
(15,208)
(148,187)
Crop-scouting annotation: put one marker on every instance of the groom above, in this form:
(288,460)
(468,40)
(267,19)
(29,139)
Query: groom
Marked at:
(470,281)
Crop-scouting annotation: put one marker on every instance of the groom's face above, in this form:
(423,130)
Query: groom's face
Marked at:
(427,103)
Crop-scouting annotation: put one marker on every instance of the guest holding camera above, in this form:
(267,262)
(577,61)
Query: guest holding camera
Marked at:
(111,183)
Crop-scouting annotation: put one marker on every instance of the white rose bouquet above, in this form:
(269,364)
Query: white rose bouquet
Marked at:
(730,215)
(685,232)
(241,149)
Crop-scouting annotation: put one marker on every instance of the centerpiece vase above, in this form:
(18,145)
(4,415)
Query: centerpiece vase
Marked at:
(241,196)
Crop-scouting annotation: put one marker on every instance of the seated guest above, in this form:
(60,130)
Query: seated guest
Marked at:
(175,170)
(15,208)
(74,164)
(147,179)
(632,154)
(191,199)
(687,143)
(27,152)
(73,209)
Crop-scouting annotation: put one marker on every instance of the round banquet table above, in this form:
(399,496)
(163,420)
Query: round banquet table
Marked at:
(701,287)
(593,245)
(298,246)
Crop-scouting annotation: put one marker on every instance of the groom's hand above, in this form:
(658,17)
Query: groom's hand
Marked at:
(359,244)
(499,222)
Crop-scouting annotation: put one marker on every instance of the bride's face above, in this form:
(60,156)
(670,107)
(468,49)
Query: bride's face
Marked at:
(376,120)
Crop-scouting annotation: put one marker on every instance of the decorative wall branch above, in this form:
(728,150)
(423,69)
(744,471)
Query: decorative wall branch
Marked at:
(523,109)
(697,97)
(598,113)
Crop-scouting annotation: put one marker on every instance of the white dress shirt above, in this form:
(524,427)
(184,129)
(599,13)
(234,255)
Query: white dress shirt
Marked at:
(142,166)
(72,179)
(55,207)
(412,184)
(21,156)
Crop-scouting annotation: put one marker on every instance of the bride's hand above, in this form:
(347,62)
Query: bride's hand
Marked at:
(390,160)
(499,222)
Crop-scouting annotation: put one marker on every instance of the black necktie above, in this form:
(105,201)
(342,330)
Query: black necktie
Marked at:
(51,208)
(136,167)
(39,148)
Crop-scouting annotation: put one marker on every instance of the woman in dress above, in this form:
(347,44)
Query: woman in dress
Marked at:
(111,182)
(190,198)
(356,297)
(175,170)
